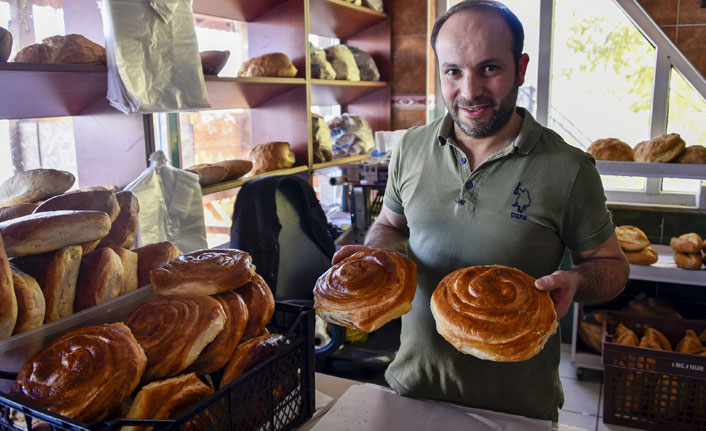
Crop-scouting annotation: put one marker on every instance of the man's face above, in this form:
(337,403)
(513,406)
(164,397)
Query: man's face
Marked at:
(479,81)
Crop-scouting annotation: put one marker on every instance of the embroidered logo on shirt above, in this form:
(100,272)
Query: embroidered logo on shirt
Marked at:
(522,202)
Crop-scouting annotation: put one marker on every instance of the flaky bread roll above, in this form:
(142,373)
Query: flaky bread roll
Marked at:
(173,330)
(94,200)
(215,356)
(15,211)
(271,156)
(130,265)
(662,149)
(647,256)
(84,374)
(236,168)
(8,300)
(250,354)
(626,336)
(654,339)
(203,272)
(166,399)
(48,231)
(34,185)
(493,312)
(151,256)
(687,243)
(688,260)
(694,154)
(631,238)
(100,278)
(275,64)
(611,149)
(260,303)
(690,343)
(367,289)
(30,301)
(124,228)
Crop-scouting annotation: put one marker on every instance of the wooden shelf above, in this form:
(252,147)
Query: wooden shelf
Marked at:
(340,19)
(658,170)
(238,10)
(328,92)
(232,93)
(50,90)
(219,187)
(341,161)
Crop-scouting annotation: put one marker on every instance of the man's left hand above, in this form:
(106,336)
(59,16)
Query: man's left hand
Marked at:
(561,286)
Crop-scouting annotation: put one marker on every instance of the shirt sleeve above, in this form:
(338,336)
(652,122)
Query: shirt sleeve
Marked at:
(393,199)
(587,222)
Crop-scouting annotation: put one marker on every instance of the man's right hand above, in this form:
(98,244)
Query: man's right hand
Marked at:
(346,251)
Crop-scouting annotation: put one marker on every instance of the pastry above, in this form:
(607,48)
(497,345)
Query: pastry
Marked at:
(203,272)
(250,354)
(275,65)
(687,243)
(34,185)
(653,339)
(84,374)
(151,256)
(215,356)
(646,256)
(15,211)
(695,154)
(688,260)
(173,330)
(208,173)
(662,149)
(626,336)
(493,312)
(260,303)
(236,168)
(8,300)
(95,200)
(100,278)
(611,149)
(124,228)
(631,238)
(30,301)
(271,156)
(367,289)
(63,49)
(690,343)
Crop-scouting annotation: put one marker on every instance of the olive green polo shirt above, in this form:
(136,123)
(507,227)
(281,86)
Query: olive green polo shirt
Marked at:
(521,208)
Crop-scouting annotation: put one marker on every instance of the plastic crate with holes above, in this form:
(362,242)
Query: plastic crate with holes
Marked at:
(276,395)
(650,388)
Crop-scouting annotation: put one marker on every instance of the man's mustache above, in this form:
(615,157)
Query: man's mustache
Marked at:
(481,101)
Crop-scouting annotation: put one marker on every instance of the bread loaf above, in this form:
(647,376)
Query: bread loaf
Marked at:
(30,302)
(662,149)
(95,200)
(688,260)
(209,173)
(63,49)
(631,238)
(694,154)
(130,265)
(647,256)
(271,156)
(124,227)
(250,354)
(34,185)
(275,65)
(151,256)
(100,278)
(687,243)
(15,211)
(611,149)
(236,168)
(260,303)
(8,300)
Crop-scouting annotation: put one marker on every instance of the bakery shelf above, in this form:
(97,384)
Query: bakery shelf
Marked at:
(219,187)
(656,170)
(340,19)
(327,92)
(231,93)
(238,10)
(50,90)
(665,270)
(342,161)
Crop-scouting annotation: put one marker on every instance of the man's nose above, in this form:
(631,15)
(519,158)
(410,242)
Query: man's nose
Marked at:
(472,86)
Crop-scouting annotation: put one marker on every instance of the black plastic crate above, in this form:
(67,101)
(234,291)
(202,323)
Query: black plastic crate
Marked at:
(276,395)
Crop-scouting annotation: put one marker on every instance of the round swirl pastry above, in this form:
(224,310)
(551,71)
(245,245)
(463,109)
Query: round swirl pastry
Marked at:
(84,374)
(203,272)
(260,303)
(367,289)
(174,330)
(493,312)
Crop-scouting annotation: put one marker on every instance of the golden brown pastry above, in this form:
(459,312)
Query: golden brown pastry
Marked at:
(95,200)
(166,399)
(84,374)
(129,260)
(8,300)
(651,307)
(34,185)
(688,260)
(367,289)
(690,343)
(626,336)
(30,301)
(662,149)
(48,231)
(215,356)
(611,149)
(695,154)
(203,272)
(250,354)
(275,65)
(493,312)
(236,168)
(100,278)
(654,339)
(687,243)
(631,238)
(592,334)
(15,211)
(261,305)
(645,257)
(124,228)
(271,156)
(63,49)
(209,173)
(151,256)
(173,330)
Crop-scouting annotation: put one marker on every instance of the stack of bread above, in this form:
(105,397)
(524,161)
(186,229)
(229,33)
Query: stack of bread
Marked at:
(225,170)
(275,64)
(667,148)
(687,250)
(271,156)
(209,315)
(636,245)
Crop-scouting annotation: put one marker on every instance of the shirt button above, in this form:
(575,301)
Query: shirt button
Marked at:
(462,160)
(469,185)
(461,202)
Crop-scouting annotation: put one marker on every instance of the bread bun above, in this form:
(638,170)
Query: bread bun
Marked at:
(100,279)
(688,260)
(653,339)
(95,200)
(83,375)
(695,154)
(644,257)
(250,354)
(611,149)
(631,238)
(209,173)
(15,211)
(687,243)
(271,156)
(493,312)
(367,289)
(8,300)
(30,301)
(275,65)
(236,168)
(203,272)
(63,49)
(151,256)
(690,343)
(173,330)
(662,149)
(129,260)
(124,228)
(260,303)
(625,336)
(34,185)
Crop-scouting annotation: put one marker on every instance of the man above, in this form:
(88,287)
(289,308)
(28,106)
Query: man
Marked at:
(488,185)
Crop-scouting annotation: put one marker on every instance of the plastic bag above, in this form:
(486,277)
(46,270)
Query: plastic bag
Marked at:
(343,62)
(366,65)
(323,145)
(320,67)
(375,5)
(351,136)
(171,207)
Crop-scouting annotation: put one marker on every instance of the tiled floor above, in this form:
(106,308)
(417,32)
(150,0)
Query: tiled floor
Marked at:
(582,398)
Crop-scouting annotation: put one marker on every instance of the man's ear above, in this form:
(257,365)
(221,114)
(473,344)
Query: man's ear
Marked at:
(522,68)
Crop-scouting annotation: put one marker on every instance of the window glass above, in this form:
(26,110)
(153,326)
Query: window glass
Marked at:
(217,214)
(48,21)
(211,136)
(223,35)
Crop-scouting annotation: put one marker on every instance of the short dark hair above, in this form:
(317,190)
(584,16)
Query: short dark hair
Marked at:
(518,33)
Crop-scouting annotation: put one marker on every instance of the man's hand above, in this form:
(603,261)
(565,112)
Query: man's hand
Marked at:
(561,286)
(346,251)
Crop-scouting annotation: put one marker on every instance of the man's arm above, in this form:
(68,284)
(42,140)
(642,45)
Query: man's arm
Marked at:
(389,231)
(598,275)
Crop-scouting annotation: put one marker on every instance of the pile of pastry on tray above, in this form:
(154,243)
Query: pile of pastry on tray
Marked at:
(638,249)
(667,148)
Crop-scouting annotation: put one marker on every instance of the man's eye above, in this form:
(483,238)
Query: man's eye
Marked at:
(453,72)
(490,68)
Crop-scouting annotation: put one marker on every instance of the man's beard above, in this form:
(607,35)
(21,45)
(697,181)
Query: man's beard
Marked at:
(501,114)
